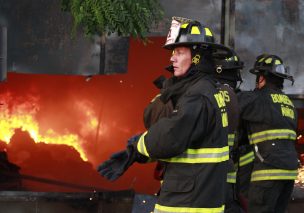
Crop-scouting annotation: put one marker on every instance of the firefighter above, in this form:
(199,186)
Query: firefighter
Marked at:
(271,120)
(228,73)
(192,140)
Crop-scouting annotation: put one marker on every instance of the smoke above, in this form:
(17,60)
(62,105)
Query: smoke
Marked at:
(273,27)
(206,12)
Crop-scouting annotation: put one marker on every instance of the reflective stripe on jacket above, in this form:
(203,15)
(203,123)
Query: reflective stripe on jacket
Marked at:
(168,209)
(274,174)
(272,134)
(246,159)
(203,155)
(231,138)
(231,177)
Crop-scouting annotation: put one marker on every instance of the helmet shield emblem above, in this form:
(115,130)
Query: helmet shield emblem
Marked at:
(173,32)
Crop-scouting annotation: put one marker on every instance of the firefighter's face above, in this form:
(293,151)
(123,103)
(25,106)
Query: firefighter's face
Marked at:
(181,60)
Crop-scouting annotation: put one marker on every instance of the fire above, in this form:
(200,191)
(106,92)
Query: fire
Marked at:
(89,122)
(20,113)
(300,179)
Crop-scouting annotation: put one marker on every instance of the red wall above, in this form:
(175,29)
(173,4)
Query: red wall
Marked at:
(66,104)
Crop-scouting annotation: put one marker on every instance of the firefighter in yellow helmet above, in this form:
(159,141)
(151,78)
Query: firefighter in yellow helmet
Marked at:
(192,140)
(271,121)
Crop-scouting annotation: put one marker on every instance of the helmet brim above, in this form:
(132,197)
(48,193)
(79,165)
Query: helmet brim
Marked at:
(254,71)
(187,44)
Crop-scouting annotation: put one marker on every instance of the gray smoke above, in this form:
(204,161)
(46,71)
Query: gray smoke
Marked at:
(274,27)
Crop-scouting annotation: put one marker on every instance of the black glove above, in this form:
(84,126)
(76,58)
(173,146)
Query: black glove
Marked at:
(133,140)
(119,162)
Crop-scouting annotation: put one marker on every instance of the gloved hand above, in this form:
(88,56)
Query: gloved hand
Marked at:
(119,162)
(133,139)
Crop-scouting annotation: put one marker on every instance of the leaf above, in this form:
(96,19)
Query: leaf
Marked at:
(125,17)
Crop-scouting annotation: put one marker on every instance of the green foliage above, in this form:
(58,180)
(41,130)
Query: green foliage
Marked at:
(124,17)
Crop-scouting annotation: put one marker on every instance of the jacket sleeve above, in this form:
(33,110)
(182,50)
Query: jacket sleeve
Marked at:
(156,110)
(170,136)
(247,105)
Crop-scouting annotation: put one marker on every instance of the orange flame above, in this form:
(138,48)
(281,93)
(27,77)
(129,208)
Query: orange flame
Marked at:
(21,114)
(300,179)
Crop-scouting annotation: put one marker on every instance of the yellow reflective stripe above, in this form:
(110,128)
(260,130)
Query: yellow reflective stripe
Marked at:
(268,60)
(230,143)
(208,32)
(195,30)
(203,155)
(274,174)
(231,177)
(155,97)
(170,209)
(271,135)
(141,147)
(184,25)
(246,159)
(231,139)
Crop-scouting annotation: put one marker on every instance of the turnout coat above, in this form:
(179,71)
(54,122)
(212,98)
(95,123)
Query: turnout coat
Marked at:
(193,143)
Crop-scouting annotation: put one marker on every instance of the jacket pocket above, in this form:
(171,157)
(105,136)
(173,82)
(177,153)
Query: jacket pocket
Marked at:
(178,184)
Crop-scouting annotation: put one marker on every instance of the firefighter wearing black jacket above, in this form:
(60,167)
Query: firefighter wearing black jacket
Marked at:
(228,73)
(192,141)
(271,121)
